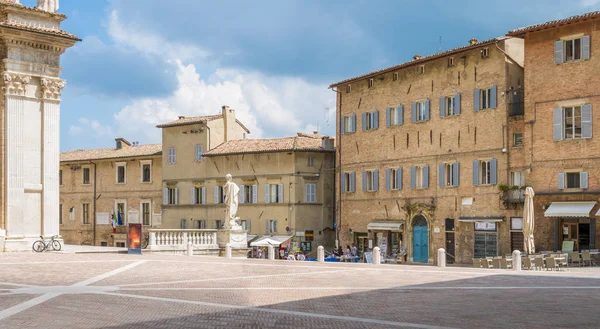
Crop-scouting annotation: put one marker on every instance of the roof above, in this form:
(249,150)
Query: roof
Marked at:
(286,144)
(100,154)
(59,33)
(182,121)
(420,60)
(33,9)
(551,24)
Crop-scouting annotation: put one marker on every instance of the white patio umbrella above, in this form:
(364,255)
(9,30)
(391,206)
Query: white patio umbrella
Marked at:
(528,222)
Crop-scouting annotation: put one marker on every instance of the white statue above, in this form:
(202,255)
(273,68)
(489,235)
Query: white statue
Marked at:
(47,5)
(231,192)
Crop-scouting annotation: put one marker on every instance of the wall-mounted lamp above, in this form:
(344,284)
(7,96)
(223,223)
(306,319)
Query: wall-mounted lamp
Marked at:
(350,230)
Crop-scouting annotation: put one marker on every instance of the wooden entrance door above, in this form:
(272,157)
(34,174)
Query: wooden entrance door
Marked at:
(420,244)
(570,233)
(450,247)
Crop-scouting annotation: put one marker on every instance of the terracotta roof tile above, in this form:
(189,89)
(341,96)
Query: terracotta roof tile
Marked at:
(99,154)
(569,20)
(285,144)
(32,9)
(182,121)
(420,60)
(60,33)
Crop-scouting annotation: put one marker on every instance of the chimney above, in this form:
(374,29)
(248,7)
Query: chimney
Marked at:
(120,141)
(473,42)
(315,132)
(228,123)
(181,117)
(417,56)
(327,143)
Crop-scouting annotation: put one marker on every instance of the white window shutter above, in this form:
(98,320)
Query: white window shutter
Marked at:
(268,226)
(561,180)
(176,195)
(254,193)
(165,195)
(307,189)
(193,195)
(585,47)
(280,192)
(203,194)
(216,190)
(274,226)
(242,194)
(267,193)
(586,120)
(583,179)
(558,123)
(558,52)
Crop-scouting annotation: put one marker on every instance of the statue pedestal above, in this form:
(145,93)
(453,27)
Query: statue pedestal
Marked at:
(238,239)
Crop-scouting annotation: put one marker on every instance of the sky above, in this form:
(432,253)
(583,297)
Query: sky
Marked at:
(145,62)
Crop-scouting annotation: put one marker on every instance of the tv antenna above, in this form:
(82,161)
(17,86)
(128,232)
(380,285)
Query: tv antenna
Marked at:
(327,116)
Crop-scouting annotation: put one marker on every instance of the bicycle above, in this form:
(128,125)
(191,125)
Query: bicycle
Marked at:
(41,245)
(145,240)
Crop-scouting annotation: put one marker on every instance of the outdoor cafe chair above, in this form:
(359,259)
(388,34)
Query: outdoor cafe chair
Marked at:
(586,257)
(564,262)
(504,263)
(496,262)
(551,263)
(476,263)
(575,257)
(539,263)
(526,264)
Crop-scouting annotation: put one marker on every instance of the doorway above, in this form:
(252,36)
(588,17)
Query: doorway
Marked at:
(420,240)
(450,242)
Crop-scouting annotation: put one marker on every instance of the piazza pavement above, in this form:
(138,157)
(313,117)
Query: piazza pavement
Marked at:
(65,290)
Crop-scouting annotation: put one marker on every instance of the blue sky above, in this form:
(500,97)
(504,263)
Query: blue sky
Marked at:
(143,62)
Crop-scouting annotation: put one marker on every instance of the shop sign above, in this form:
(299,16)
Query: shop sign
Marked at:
(309,235)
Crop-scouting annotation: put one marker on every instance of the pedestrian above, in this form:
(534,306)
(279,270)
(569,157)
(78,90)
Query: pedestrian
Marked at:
(354,251)
(347,253)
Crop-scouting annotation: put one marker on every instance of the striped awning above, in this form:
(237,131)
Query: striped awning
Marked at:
(570,209)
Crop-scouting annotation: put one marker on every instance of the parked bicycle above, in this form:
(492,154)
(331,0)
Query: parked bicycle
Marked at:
(145,240)
(41,245)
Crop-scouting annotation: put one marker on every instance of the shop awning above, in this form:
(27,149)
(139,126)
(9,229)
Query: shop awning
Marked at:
(481,219)
(570,209)
(385,226)
(266,240)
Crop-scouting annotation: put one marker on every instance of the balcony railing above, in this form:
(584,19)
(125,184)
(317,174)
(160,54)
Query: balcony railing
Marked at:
(513,198)
(516,104)
(177,240)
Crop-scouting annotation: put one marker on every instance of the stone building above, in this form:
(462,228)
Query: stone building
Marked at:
(286,184)
(560,155)
(95,184)
(423,148)
(31,43)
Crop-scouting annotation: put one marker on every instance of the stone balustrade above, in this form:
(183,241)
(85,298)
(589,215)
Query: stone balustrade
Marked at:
(177,240)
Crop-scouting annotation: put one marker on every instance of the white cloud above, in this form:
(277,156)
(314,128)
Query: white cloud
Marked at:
(589,3)
(91,126)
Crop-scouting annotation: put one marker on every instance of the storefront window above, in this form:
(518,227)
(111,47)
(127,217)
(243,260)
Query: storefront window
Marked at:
(486,240)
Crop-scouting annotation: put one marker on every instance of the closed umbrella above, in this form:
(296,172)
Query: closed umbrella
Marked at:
(528,222)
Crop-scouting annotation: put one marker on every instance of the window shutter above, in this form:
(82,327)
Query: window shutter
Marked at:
(274,226)
(216,190)
(427,110)
(353,181)
(376,180)
(353,116)
(192,196)
(475,172)
(493,171)
(267,193)
(442,107)
(400,115)
(165,196)
(376,118)
(583,179)
(414,112)
(268,226)
(413,177)
(399,178)
(586,120)
(456,174)
(561,180)
(242,194)
(342,124)
(203,194)
(558,52)
(280,192)
(364,180)
(387,179)
(585,47)
(314,192)
(558,126)
(307,193)
(342,181)
(176,195)
(364,121)
(254,194)
(493,96)
(199,152)
(476,106)
(456,103)
(441,175)
(388,119)
(426,176)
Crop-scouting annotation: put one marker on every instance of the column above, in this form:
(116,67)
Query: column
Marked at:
(14,168)
(51,166)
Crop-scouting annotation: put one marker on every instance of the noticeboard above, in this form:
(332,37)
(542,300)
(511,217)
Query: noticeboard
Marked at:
(369,257)
(305,246)
(134,239)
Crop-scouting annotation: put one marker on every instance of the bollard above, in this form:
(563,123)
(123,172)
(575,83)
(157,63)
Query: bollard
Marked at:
(376,256)
(190,249)
(516,260)
(228,250)
(441,258)
(271,252)
(321,254)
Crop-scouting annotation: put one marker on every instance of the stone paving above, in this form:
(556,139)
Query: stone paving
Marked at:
(62,290)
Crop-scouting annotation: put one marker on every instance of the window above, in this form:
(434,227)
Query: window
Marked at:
(573,180)
(467,201)
(103,244)
(485,172)
(86,175)
(419,176)
(146,173)
(370,83)
(518,139)
(273,193)
(348,124)
(348,182)
(171,195)
(517,178)
(219,197)
(218,223)
(311,193)
(246,225)
(572,50)
(486,240)
(183,224)
(395,76)
(370,120)
(120,244)
(121,211)
(449,105)
(271,226)
(394,116)
(311,161)
(450,61)
(485,98)
(198,195)
(172,155)
(60,214)
(146,213)
(121,173)
(348,89)
(200,224)
(198,152)
(572,122)
(485,53)
(60,177)
(393,180)
(516,233)
(249,193)
(371,180)
(422,69)
(421,110)
(448,174)
(449,224)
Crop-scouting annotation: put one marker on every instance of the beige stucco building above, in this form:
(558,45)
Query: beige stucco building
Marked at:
(286,184)
(97,183)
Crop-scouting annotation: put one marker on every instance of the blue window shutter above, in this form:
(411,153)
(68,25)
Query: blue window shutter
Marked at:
(280,192)
(475,172)
(216,196)
(376,180)
(456,174)
(583,179)
(376,119)
(493,171)
(442,107)
(387,179)
(400,114)
(267,193)
(203,194)
(353,122)
(558,52)
(254,194)
(493,97)
(307,190)
(585,47)
(476,105)
(426,176)
(561,180)
(586,120)
(165,195)
(414,112)
(456,102)
(413,177)
(558,125)
(427,110)
(242,194)
(193,196)
(342,125)
(342,182)
(388,119)
(364,121)
(399,178)
(364,180)
(353,182)
(441,175)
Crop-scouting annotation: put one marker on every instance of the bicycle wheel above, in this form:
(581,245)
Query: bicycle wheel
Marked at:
(39,246)
(144,243)
(56,245)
